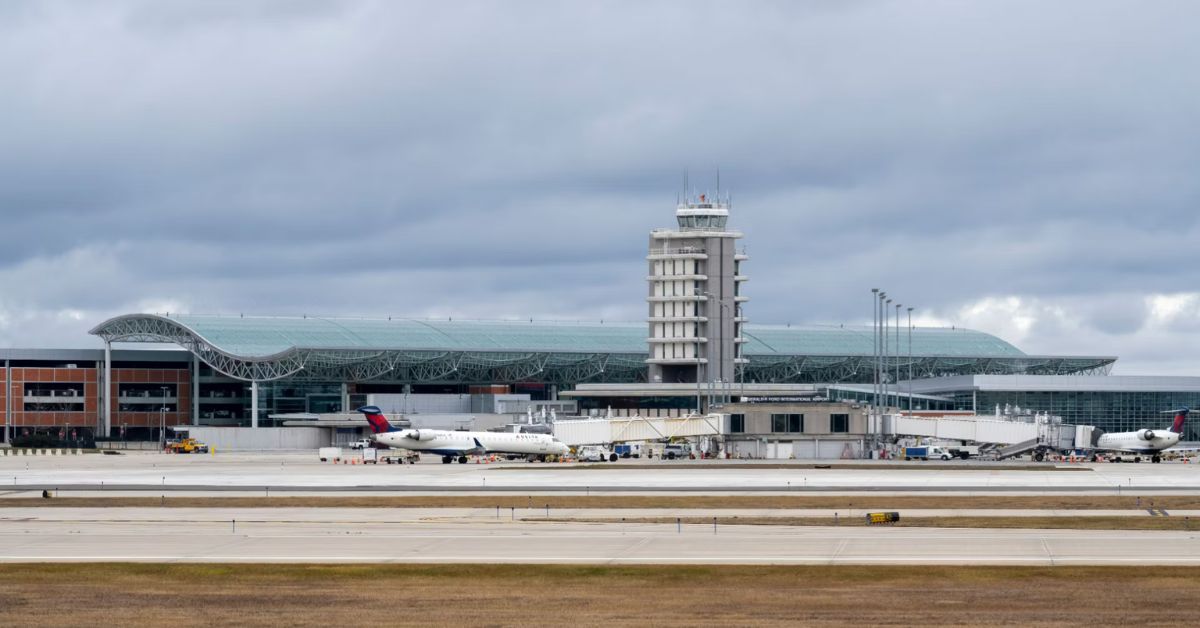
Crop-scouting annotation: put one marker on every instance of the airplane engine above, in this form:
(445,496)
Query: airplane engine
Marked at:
(418,435)
(1146,434)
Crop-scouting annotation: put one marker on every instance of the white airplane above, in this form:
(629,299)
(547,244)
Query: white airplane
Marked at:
(451,445)
(1146,441)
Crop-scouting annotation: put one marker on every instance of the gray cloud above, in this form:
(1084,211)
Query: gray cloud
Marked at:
(507,159)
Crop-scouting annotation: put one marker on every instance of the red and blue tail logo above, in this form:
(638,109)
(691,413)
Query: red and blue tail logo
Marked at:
(376,420)
(1180,419)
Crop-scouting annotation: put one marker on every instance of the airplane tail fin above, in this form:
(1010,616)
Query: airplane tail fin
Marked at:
(376,420)
(1180,419)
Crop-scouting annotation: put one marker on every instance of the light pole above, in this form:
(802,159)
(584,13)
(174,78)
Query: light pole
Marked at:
(910,361)
(721,348)
(875,350)
(739,364)
(880,399)
(883,301)
(162,420)
(898,354)
(887,349)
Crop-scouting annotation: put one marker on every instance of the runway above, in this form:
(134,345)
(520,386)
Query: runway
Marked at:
(355,536)
(301,472)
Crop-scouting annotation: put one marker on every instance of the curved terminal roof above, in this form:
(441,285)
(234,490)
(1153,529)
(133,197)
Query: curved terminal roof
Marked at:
(265,336)
(355,349)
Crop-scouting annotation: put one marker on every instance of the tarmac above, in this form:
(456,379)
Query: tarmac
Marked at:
(383,536)
(227,473)
(537,535)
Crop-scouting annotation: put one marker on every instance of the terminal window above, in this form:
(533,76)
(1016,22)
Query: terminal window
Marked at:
(737,423)
(787,423)
(839,423)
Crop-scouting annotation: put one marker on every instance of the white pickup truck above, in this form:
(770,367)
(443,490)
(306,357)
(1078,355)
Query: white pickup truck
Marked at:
(678,450)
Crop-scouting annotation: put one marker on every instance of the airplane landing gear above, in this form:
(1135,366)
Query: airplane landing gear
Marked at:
(462,460)
(1156,459)
(447,459)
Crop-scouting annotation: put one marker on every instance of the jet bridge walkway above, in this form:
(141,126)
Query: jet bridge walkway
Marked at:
(1014,437)
(596,431)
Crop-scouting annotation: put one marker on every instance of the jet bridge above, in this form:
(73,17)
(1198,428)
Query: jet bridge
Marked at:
(1018,435)
(599,431)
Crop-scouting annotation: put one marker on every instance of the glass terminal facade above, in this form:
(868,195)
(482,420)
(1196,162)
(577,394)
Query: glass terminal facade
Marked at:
(1109,411)
(1112,403)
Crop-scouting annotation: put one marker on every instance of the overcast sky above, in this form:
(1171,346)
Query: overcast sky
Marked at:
(1029,169)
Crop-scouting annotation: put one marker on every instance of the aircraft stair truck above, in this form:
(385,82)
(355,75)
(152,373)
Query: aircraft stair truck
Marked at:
(1033,446)
(1052,439)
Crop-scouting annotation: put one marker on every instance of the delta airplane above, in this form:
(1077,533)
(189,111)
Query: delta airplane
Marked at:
(451,445)
(1146,441)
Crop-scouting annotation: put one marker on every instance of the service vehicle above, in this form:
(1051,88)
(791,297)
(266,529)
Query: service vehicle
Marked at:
(927,452)
(628,450)
(330,453)
(362,443)
(678,450)
(963,451)
(595,453)
(187,446)
(401,456)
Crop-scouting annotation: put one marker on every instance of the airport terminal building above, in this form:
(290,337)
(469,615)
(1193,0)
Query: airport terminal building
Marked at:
(242,371)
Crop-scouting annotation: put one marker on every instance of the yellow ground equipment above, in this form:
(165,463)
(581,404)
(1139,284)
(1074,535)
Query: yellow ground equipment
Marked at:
(188,446)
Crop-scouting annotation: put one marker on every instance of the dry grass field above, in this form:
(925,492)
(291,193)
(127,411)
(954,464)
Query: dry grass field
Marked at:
(872,502)
(519,595)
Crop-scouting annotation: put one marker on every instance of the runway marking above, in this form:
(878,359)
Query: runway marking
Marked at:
(1046,548)
(838,551)
(1157,512)
(638,545)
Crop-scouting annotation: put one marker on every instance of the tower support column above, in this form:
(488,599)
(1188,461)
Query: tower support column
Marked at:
(254,403)
(107,390)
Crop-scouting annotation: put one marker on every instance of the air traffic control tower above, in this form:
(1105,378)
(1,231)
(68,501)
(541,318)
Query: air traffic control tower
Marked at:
(695,298)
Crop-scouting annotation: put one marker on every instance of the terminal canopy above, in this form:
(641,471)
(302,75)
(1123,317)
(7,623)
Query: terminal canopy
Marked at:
(563,353)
